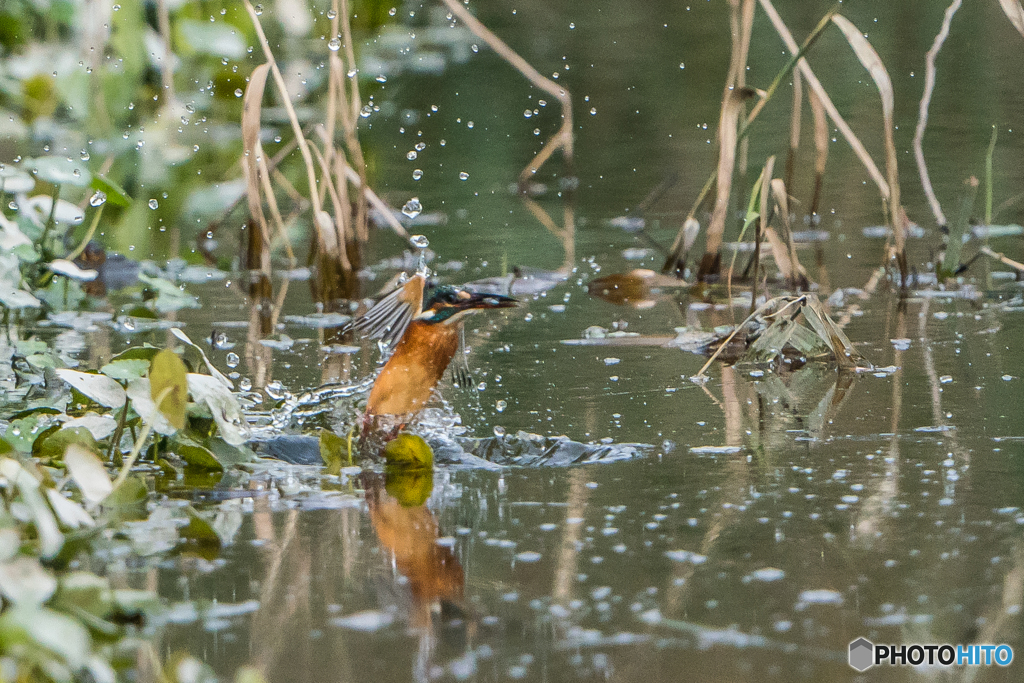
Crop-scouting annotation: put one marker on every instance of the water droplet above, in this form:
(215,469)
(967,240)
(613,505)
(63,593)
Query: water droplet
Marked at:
(433,107)
(417,174)
(245,384)
(392,12)
(528,113)
(499,431)
(463,176)
(117,8)
(593,110)
(419,241)
(258,9)
(351,73)
(420,146)
(382,79)
(500,405)
(231,360)
(238,92)
(411,156)
(84,155)
(474,47)
(190,108)
(469,125)
(12,205)
(334,44)
(366,111)
(413,208)
(153,203)
(572,25)
(482,386)
(98,198)
(129,324)
(331,14)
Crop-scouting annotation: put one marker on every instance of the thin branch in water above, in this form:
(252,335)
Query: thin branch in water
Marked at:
(563,138)
(794,128)
(922,116)
(820,147)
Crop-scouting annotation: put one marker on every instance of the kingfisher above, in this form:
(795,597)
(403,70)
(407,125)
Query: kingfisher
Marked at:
(423,324)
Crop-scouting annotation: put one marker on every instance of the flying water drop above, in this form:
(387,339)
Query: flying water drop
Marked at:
(412,209)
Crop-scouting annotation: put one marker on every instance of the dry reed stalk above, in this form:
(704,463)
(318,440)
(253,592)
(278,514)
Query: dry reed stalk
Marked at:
(340,209)
(327,239)
(741,19)
(794,128)
(796,275)
(1006,261)
(673,263)
(873,63)
(1015,13)
(820,148)
(560,140)
(252,152)
(759,229)
(826,101)
(922,116)
(275,211)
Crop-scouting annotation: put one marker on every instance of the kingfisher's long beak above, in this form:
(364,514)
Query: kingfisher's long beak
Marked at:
(477,300)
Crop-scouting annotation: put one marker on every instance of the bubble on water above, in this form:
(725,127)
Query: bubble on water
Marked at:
(419,241)
(463,176)
(232,360)
(98,198)
(413,208)
(238,92)
(500,405)
(411,156)
(499,431)
(417,174)
(334,44)
(153,204)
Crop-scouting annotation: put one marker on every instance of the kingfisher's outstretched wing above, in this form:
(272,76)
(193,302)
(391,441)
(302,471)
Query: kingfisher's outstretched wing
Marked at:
(390,316)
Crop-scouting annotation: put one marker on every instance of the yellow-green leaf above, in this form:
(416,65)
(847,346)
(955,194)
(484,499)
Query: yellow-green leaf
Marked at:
(409,451)
(333,450)
(168,377)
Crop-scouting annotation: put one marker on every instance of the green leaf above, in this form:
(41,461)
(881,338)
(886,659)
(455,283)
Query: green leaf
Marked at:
(334,451)
(200,537)
(99,388)
(142,402)
(59,170)
(5,446)
(199,457)
(168,378)
(410,487)
(89,473)
(145,353)
(52,443)
(85,591)
(53,631)
(234,428)
(115,194)
(409,451)
(23,581)
(128,501)
(126,370)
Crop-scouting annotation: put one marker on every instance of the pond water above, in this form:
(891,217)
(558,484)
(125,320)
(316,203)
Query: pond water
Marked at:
(768,519)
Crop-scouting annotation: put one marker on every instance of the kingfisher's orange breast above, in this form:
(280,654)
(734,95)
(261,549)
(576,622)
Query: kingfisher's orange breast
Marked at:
(414,369)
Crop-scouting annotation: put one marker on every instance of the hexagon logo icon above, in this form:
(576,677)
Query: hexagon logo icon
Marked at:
(862,654)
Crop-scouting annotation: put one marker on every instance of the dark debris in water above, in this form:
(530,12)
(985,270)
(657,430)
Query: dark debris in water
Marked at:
(522,449)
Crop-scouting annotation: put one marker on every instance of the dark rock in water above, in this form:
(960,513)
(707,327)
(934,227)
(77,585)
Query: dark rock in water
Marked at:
(521,450)
(532,450)
(294,449)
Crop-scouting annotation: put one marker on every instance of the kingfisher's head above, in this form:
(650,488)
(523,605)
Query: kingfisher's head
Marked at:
(446,304)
